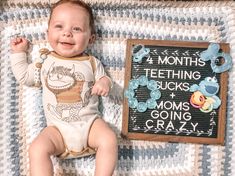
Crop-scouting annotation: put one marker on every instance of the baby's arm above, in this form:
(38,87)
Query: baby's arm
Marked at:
(23,72)
(103,83)
(102,86)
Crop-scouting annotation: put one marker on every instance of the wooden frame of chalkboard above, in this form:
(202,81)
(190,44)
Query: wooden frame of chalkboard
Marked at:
(175,66)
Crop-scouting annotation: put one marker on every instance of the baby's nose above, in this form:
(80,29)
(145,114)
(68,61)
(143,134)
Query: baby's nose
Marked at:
(67,34)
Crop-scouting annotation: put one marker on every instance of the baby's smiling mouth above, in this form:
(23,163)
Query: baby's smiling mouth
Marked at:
(66,43)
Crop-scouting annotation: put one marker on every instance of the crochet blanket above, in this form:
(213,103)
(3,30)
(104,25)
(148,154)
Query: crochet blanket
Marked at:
(21,114)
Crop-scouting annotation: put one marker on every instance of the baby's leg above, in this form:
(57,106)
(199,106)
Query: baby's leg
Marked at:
(104,140)
(48,142)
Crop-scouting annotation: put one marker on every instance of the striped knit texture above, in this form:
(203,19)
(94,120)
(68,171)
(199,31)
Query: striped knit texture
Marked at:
(21,114)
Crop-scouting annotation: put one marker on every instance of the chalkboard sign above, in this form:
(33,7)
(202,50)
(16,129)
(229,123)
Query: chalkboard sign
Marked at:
(175,66)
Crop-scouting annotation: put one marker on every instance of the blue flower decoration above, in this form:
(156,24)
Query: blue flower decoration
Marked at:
(151,103)
(212,54)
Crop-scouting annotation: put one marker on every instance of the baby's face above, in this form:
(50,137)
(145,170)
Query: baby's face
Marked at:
(69,32)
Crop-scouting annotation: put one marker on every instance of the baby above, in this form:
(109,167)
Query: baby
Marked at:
(72,81)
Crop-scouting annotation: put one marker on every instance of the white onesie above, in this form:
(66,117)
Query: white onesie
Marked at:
(67,99)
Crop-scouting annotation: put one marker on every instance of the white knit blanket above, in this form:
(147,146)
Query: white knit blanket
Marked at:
(21,114)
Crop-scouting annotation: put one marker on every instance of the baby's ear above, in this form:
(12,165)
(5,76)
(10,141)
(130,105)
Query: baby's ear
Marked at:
(92,39)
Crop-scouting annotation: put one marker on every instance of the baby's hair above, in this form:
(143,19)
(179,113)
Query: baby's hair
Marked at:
(79,3)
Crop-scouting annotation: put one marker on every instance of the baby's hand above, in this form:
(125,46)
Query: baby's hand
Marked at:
(19,44)
(101,87)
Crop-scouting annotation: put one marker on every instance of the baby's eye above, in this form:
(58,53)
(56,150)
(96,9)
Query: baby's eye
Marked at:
(77,29)
(59,26)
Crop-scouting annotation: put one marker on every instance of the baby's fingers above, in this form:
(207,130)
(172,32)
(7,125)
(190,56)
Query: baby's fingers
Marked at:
(16,41)
(19,40)
(101,92)
(19,44)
